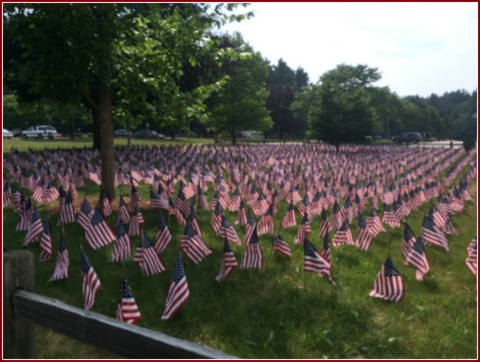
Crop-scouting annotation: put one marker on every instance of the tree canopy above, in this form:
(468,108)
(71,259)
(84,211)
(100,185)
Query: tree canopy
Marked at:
(240,102)
(112,56)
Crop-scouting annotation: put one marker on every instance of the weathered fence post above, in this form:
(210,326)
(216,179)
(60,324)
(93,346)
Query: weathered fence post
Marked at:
(18,332)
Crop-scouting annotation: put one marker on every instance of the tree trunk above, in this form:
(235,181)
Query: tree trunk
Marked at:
(234,136)
(72,126)
(106,137)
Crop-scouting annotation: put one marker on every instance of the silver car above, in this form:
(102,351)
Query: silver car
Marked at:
(7,133)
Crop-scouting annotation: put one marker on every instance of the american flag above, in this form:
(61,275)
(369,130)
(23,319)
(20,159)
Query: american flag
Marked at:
(343,236)
(229,232)
(37,193)
(251,196)
(135,174)
(448,227)
(216,220)
(35,229)
(67,211)
(178,292)
(305,206)
(123,211)
(365,236)
(389,217)
(173,210)
(260,205)
(90,282)
(289,220)
(193,246)
(192,217)
(408,240)
(202,200)
(336,220)
(347,211)
(471,261)
(280,245)
(17,198)
(432,236)
(241,215)
(25,217)
(181,203)
(94,177)
(135,198)
(388,284)
(106,207)
(228,263)
(98,233)
(313,261)
(438,219)
(374,223)
(293,195)
(265,224)
(163,237)
(136,223)
(253,257)
(327,256)
(73,191)
(388,197)
(7,196)
(158,202)
(303,230)
(147,258)
(62,266)
(325,226)
(418,259)
(127,310)
(250,226)
(50,193)
(121,246)
(214,202)
(235,201)
(85,215)
(46,242)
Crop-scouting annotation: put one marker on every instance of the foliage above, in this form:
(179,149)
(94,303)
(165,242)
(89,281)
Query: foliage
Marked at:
(112,55)
(284,84)
(240,102)
(343,113)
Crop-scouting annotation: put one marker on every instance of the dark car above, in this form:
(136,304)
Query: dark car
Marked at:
(407,137)
(122,133)
(143,133)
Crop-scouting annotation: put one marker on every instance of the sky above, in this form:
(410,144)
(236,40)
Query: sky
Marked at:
(419,48)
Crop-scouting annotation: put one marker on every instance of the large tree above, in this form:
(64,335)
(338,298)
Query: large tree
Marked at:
(106,53)
(240,103)
(344,113)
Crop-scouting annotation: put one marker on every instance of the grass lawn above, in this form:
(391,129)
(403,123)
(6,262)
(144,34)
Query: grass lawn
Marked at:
(279,311)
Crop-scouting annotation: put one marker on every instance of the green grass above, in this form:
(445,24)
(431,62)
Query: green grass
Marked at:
(64,143)
(280,312)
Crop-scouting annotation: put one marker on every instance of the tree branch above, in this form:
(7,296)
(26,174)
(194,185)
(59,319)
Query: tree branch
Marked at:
(90,100)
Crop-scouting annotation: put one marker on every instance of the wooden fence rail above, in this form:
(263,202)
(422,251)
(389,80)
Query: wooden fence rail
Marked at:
(22,308)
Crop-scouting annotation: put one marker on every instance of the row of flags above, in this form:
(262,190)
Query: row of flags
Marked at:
(262,205)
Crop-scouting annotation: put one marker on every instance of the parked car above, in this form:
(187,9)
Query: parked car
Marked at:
(7,133)
(122,133)
(17,132)
(143,133)
(427,136)
(407,137)
(40,132)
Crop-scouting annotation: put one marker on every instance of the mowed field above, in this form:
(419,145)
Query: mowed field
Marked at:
(278,311)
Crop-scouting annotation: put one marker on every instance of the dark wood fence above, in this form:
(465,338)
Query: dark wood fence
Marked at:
(23,309)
